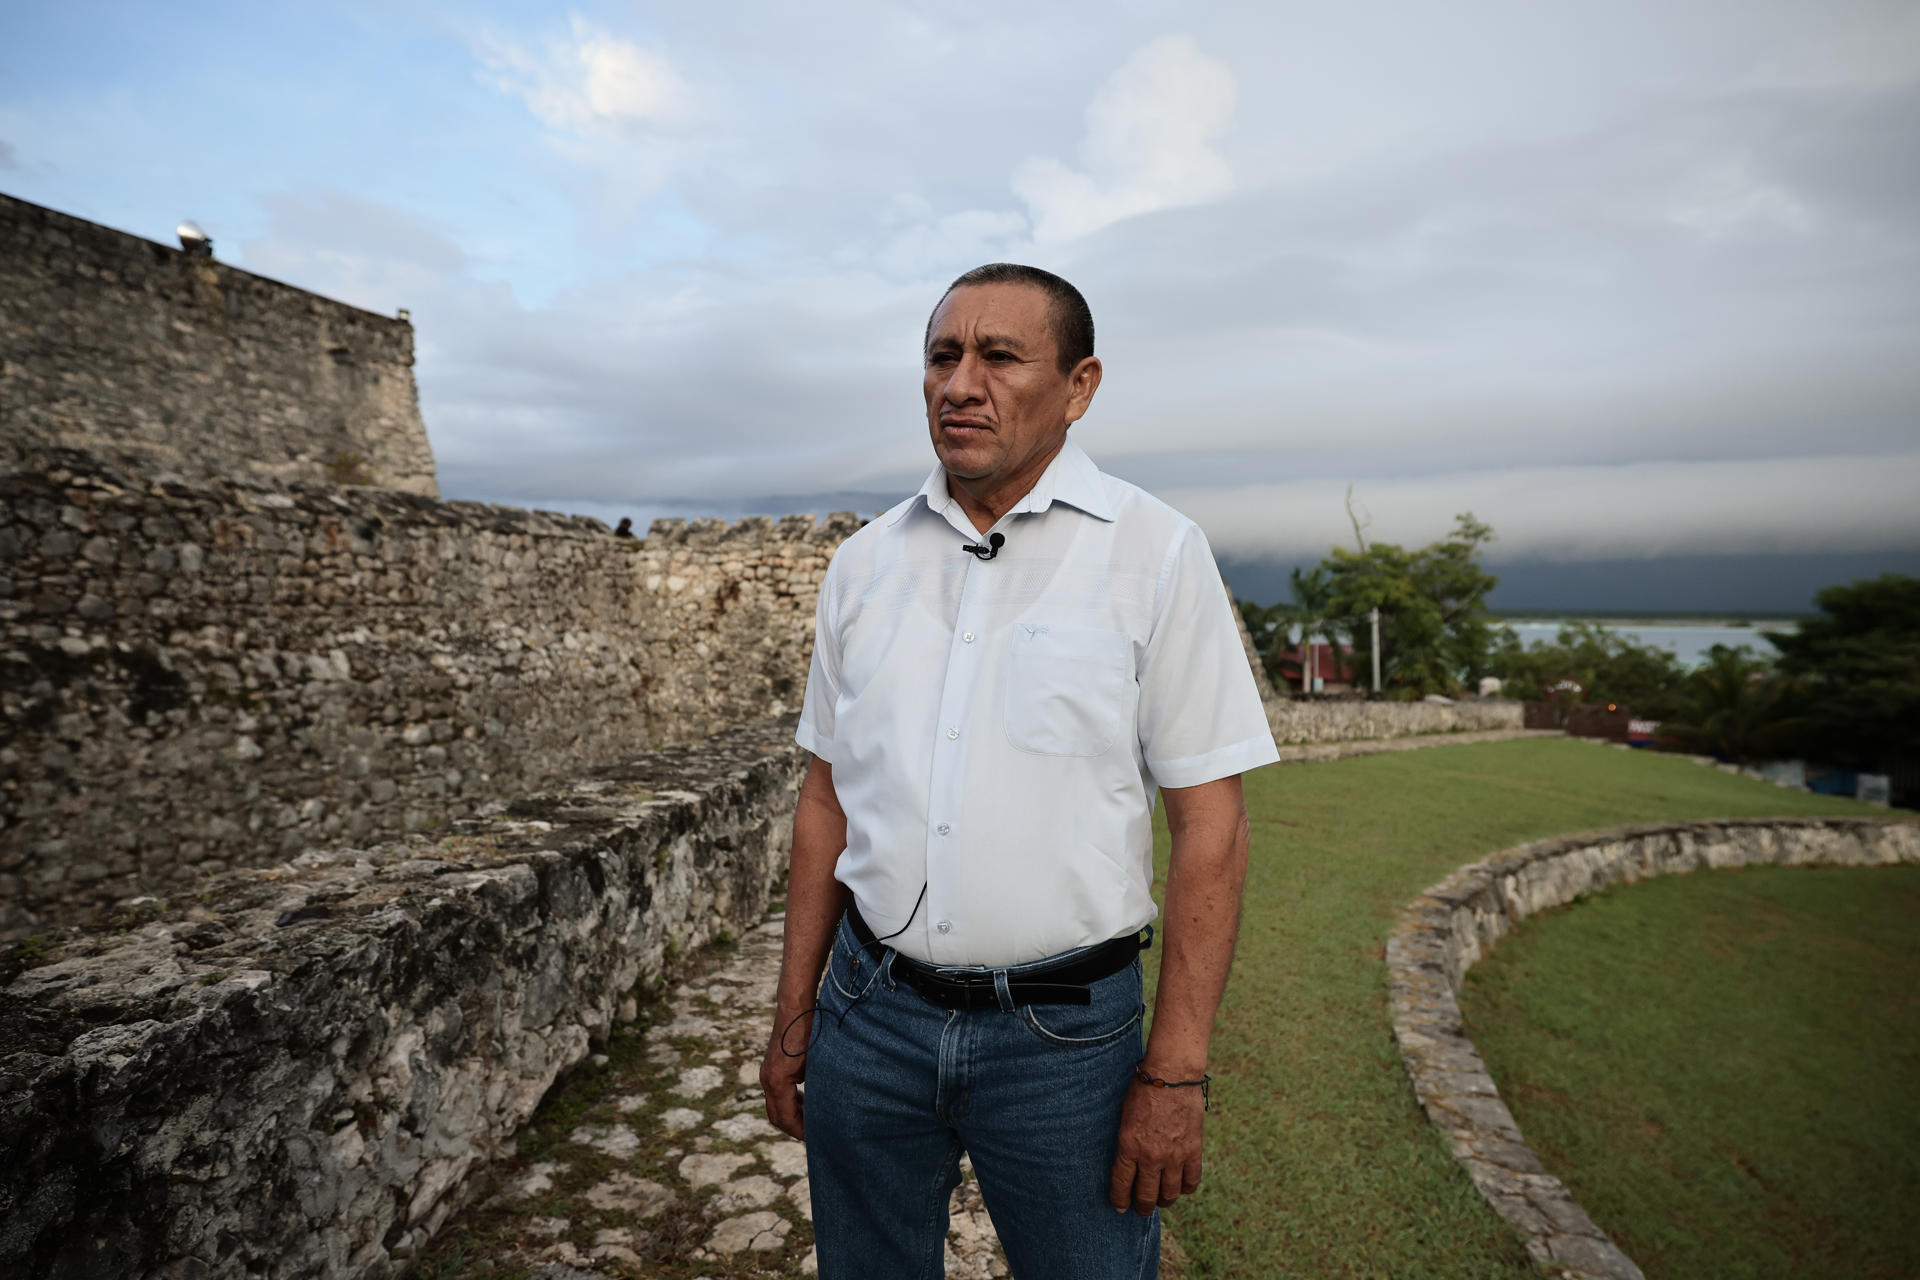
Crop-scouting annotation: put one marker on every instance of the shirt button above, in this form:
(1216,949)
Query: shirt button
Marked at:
(967,637)
(953,733)
(945,926)
(943,828)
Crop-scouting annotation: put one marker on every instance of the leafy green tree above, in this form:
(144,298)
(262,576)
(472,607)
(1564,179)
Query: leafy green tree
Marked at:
(1733,706)
(1857,663)
(1435,631)
(1608,666)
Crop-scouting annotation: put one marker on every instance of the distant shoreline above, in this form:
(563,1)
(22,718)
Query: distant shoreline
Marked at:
(1733,622)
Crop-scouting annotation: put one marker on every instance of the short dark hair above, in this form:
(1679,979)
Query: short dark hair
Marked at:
(1067,312)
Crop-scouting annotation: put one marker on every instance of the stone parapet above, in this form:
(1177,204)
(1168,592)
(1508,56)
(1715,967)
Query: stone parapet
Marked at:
(674,531)
(296,1073)
(200,676)
(1446,930)
(177,364)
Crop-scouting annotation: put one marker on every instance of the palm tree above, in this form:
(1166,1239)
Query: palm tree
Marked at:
(1312,598)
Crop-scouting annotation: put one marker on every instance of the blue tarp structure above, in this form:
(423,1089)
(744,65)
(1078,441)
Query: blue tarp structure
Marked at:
(1835,782)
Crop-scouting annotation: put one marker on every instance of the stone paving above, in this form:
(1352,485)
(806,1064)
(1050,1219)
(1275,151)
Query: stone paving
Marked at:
(658,1160)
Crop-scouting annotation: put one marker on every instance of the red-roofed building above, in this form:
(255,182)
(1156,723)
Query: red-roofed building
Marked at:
(1332,667)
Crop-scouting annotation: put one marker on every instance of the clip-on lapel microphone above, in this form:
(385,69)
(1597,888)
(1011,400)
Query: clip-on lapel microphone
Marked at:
(994,542)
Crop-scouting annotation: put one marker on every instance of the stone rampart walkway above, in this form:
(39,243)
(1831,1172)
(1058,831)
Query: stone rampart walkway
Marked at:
(658,1161)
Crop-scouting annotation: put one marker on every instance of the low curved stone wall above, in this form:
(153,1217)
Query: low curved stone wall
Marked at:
(293,1073)
(1297,721)
(1446,930)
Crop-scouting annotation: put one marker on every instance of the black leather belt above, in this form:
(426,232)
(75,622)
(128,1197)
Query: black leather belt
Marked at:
(1064,983)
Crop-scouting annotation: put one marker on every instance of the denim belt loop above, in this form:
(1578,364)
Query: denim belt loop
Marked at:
(1001,990)
(886,968)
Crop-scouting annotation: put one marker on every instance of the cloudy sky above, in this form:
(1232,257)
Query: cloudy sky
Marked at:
(1637,283)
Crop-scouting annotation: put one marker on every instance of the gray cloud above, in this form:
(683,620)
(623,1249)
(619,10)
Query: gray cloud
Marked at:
(1777,505)
(1664,303)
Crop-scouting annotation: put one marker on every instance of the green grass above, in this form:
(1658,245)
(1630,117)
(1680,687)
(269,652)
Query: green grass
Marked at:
(1319,1163)
(1724,1068)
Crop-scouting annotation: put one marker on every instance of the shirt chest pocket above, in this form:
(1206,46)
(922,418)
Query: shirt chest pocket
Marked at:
(1069,688)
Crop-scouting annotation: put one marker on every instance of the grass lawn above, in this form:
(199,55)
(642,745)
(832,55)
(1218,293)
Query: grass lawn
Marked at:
(1319,1163)
(1724,1068)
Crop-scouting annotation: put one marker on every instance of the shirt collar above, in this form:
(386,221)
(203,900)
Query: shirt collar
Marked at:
(1071,478)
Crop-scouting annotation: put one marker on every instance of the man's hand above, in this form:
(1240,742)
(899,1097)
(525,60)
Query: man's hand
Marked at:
(1159,1153)
(1158,1157)
(781,1077)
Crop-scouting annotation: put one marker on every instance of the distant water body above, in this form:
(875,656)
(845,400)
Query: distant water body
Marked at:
(1688,641)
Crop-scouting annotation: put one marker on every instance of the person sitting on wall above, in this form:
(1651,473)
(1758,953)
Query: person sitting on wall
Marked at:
(1006,668)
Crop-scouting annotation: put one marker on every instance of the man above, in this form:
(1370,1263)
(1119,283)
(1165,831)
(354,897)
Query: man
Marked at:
(1005,668)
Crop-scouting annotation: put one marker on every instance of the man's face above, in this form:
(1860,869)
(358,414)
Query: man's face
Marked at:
(996,398)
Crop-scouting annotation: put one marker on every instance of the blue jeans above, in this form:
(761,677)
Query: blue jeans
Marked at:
(897,1088)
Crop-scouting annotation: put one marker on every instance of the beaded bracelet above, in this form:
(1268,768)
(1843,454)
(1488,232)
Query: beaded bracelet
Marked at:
(1206,1097)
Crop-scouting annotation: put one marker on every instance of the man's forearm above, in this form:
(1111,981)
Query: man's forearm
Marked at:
(815,899)
(814,902)
(1205,875)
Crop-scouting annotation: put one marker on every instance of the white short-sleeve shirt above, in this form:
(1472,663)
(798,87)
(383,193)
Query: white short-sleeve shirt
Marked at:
(998,728)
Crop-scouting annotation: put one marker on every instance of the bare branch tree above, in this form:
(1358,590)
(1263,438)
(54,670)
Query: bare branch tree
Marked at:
(1361,520)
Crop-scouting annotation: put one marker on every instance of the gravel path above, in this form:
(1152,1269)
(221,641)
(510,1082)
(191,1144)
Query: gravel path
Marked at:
(658,1161)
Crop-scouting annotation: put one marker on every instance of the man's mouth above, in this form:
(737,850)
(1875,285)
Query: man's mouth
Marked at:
(965,424)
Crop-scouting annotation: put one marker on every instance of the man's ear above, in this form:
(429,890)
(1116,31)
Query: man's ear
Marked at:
(1081,384)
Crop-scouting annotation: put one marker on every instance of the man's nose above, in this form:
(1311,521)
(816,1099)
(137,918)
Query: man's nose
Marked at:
(966,385)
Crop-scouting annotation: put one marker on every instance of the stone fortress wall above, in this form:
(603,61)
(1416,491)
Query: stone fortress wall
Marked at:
(183,365)
(195,677)
(296,1073)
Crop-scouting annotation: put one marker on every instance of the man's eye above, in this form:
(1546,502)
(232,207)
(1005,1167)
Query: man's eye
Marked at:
(1000,357)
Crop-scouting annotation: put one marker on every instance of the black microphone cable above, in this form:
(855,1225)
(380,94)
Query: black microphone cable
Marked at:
(820,1008)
